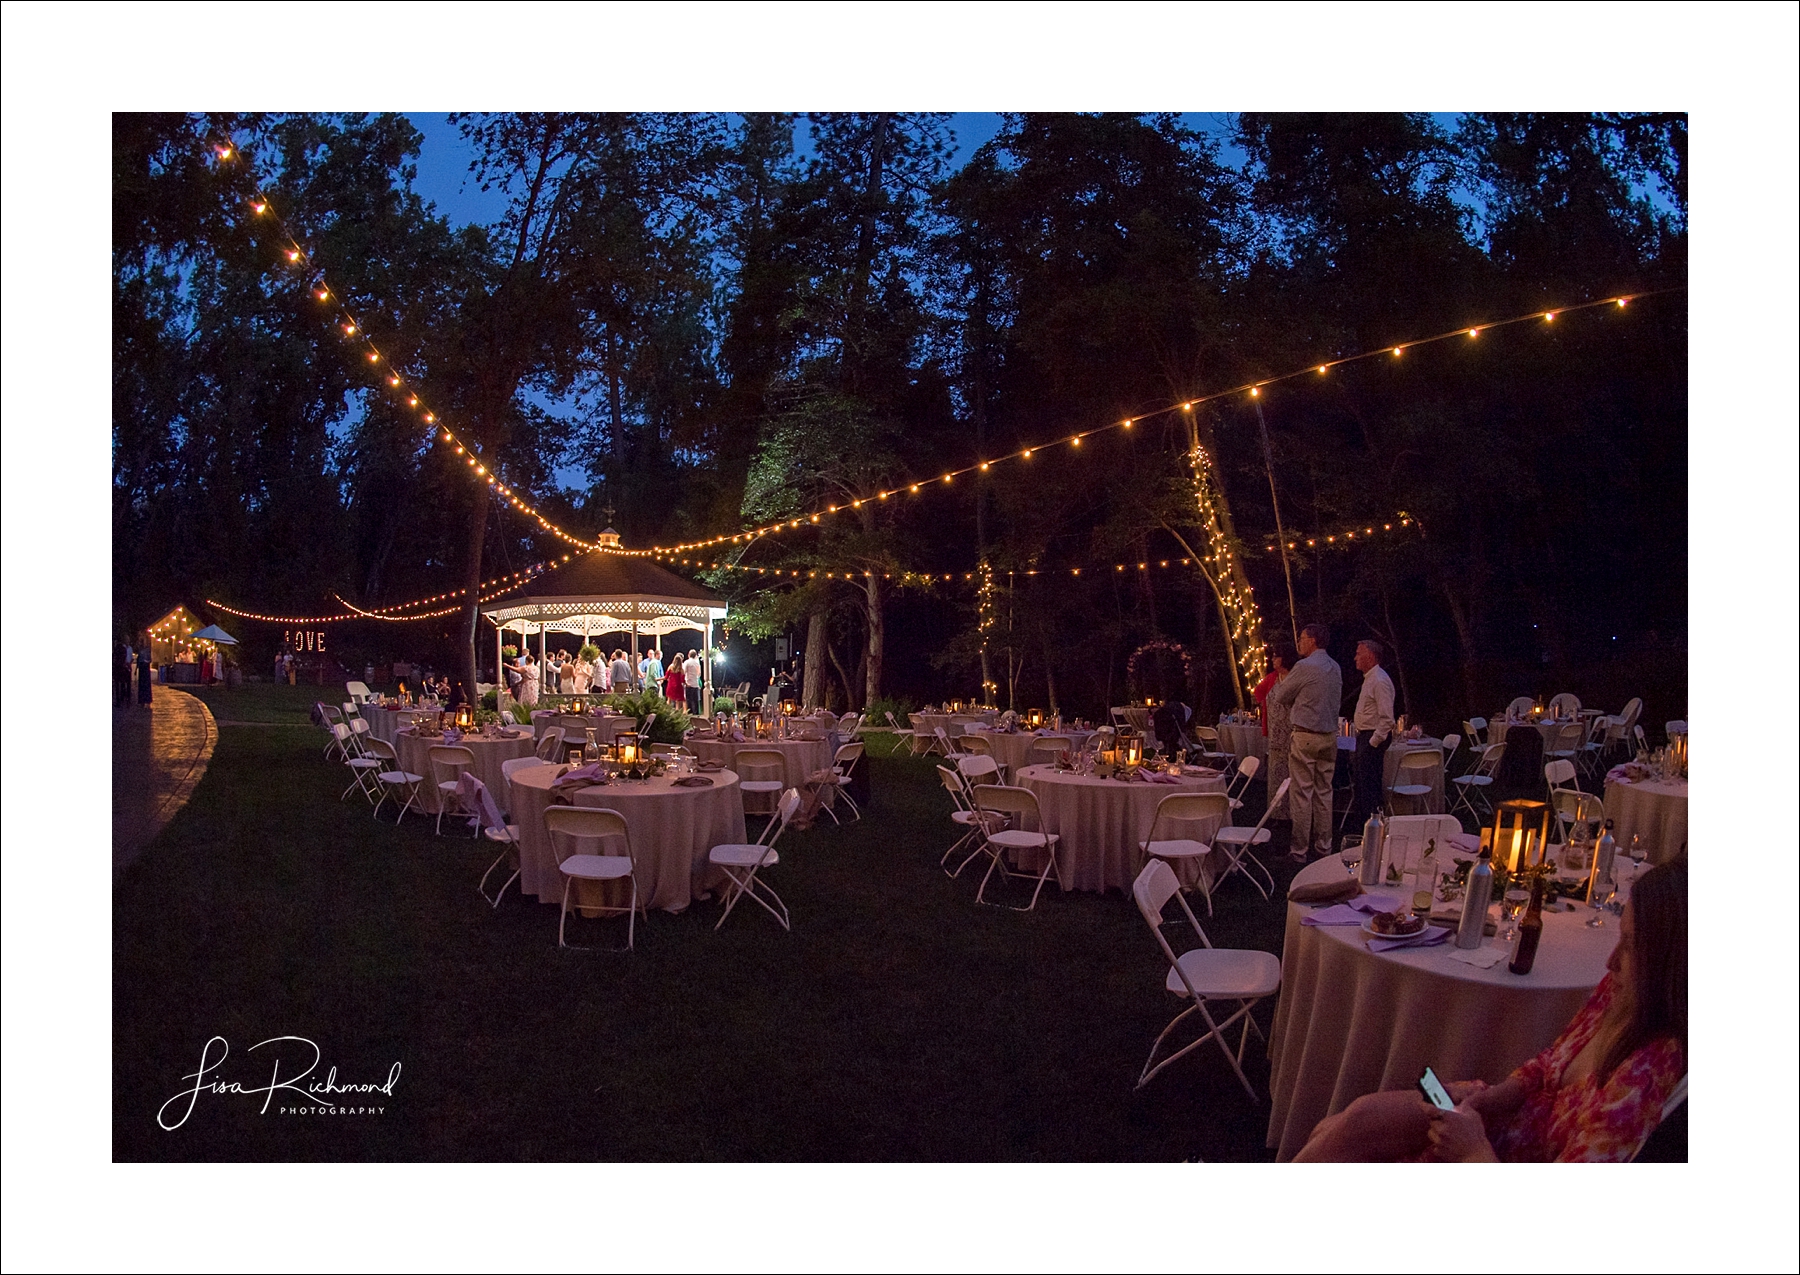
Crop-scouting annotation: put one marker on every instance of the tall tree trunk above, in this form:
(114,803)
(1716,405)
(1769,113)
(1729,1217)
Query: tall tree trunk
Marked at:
(812,693)
(865,251)
(877,637)
(471,611)
(1050,673)
(1393,637)
(615,404)
(848,682)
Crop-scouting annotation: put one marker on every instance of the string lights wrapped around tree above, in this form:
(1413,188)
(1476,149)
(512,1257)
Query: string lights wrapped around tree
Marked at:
(1219,563)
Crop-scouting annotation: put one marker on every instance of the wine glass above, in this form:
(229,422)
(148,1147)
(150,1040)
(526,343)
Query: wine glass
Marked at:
(1638,854)
(1351,853)
(1600,893)
(1512,906)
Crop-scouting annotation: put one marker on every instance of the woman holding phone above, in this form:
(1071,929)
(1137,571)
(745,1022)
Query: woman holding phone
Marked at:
(1594,1095)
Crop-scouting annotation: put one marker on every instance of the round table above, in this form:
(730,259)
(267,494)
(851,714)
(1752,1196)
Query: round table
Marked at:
(1654,809)
(1013,750)
(672,831)
(1243,739)
(1351,1021)
(415,756)
(1101,822)
(604,728)
(384,723)
(925,726)
(800,757)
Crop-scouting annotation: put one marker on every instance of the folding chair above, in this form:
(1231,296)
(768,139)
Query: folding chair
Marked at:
(1203,975)
(448,762)
(843,768)
(753,766)
(1476,729)
(395,778)
(1567,744)
(550,745)
(974,823)
(902,736)
(1044,752)
(1186,807)
(1019,806)
(1565,704)
(495,828)
(1236,845)
(362,766)
(742,862)
(1521,705)
(1240,782)
(567,826)
(1474,785)
(1412,778)
(331,717)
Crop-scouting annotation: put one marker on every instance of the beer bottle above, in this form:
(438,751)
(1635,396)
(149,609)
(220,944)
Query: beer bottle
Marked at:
(1531,929)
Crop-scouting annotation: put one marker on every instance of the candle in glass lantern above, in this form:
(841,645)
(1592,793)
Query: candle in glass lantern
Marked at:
(1520,834)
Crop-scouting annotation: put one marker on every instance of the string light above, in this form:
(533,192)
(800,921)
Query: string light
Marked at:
(1237,600)
(1350,536)
(501,583)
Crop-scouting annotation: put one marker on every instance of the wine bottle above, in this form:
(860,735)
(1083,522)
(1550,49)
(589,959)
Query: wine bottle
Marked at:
(1531,929)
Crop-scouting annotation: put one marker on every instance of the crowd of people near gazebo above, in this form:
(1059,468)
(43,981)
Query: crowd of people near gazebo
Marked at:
(591,671)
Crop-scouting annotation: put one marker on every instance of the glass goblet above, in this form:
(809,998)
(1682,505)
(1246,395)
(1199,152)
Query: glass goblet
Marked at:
(1351,853)
(1512,906)
(1600,893)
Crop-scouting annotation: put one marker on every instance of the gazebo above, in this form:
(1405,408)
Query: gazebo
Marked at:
(606,592)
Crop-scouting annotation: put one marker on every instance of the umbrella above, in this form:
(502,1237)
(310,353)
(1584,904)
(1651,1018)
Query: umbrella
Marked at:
(213,633)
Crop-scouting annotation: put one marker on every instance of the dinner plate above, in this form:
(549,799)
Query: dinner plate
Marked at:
(1368,928)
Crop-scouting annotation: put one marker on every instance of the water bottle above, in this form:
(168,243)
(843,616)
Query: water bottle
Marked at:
(1373,833)
(1476,893)
(1604,850)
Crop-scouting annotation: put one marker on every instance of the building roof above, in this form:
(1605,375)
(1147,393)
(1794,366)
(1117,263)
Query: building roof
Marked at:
(609,577)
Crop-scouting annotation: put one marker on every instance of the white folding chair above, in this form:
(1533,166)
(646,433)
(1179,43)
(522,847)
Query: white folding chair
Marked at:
(1407,837)
(1412,777)
(1236,845)
(1205,974)
(1520,706)
(1476,729)
(362,766)
(448,762)
(1593,744)
(566,827)
(1676,727)
(1474,785)
(358,692)
(1564,704)
(331,717)
(495,828)
(1020,807)
(1240,782)
(974,823)
(507,718)
(1566,746)
(1186,807)
(1044,752)
(943,742)
(394,779)
(759,777)
(550,744)
(843,770)
(742,862)
(978,768)
(1573,806)
(902,736)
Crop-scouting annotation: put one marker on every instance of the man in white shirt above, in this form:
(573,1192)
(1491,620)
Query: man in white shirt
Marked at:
(690,678)
(1374,726)
(1312,692)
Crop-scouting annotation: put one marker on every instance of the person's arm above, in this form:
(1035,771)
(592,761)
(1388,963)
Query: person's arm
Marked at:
(1459,1136)
(1289,686)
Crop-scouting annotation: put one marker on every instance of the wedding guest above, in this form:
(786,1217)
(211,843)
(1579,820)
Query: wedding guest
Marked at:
(1595,1094)
(653,671)
(1374,726)
(691,673)
(674,687)
(620,673)
(528,686)
(1311,693)
(565,672)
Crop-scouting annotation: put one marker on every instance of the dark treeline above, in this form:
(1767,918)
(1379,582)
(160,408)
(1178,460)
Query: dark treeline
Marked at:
(716,325)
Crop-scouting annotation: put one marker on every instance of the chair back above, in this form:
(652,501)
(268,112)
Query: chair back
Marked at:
(1049,749)
(975,742)
(512,765)
(1490,759)
(331,714)
(1633,707)
(1565,703)
(1188,807)
(1675,728)
(507,718)
(1152,890)
(784,814)
(478,798)
(448,761)
(943,737)
(1476,729)
(1451,744)
(1560,774)
(350,713)
(1206,735)
(358,691)
(645,725)
(894,722)
(1417,765)
(954,783)
(566,826)
(341,733)
(1570,738)
(759,761)
(848,755)
(1246,771)
(1573,806)
(550,745)
(1643,740)
(1271,808)
(1520,705)
(977,767)
(380,749)
(1019,804)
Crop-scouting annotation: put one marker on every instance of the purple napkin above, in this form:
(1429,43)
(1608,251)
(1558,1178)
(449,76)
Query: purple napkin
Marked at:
(1336,914)
(1159,777)
(592,773)
(1373,903)
(1430,936)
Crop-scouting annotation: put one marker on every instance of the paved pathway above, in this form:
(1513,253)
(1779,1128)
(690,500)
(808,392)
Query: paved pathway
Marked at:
(159,754)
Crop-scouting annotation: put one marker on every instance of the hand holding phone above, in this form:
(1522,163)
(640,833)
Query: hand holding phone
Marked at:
(1434,1091)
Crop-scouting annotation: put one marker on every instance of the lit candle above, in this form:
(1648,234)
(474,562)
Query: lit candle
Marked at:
(1515,861)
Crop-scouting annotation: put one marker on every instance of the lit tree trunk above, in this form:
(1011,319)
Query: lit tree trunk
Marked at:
(471,611)
(877,638)
(812,693)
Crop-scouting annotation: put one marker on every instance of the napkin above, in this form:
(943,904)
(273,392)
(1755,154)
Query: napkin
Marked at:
(1466,842)
(1159,777)
(592,773)
(694,781)
(1339,914)
(1431,936)
(1482,958)
(1326,891)
(711,766)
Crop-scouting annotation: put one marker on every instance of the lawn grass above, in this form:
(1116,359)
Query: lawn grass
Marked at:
(899,1020)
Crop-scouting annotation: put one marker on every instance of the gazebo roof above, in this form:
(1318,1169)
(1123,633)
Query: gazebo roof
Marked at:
(603,592)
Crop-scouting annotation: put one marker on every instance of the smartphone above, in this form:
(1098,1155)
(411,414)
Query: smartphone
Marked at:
(1434,1091)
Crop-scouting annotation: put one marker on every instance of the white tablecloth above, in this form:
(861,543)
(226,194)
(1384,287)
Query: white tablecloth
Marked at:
(604,728)
(801,757)
(672,831)
(1351,1022)
(1101,822)
(1013,751)
(384,723)
(1242,740)
(415,756)
(1655,810)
